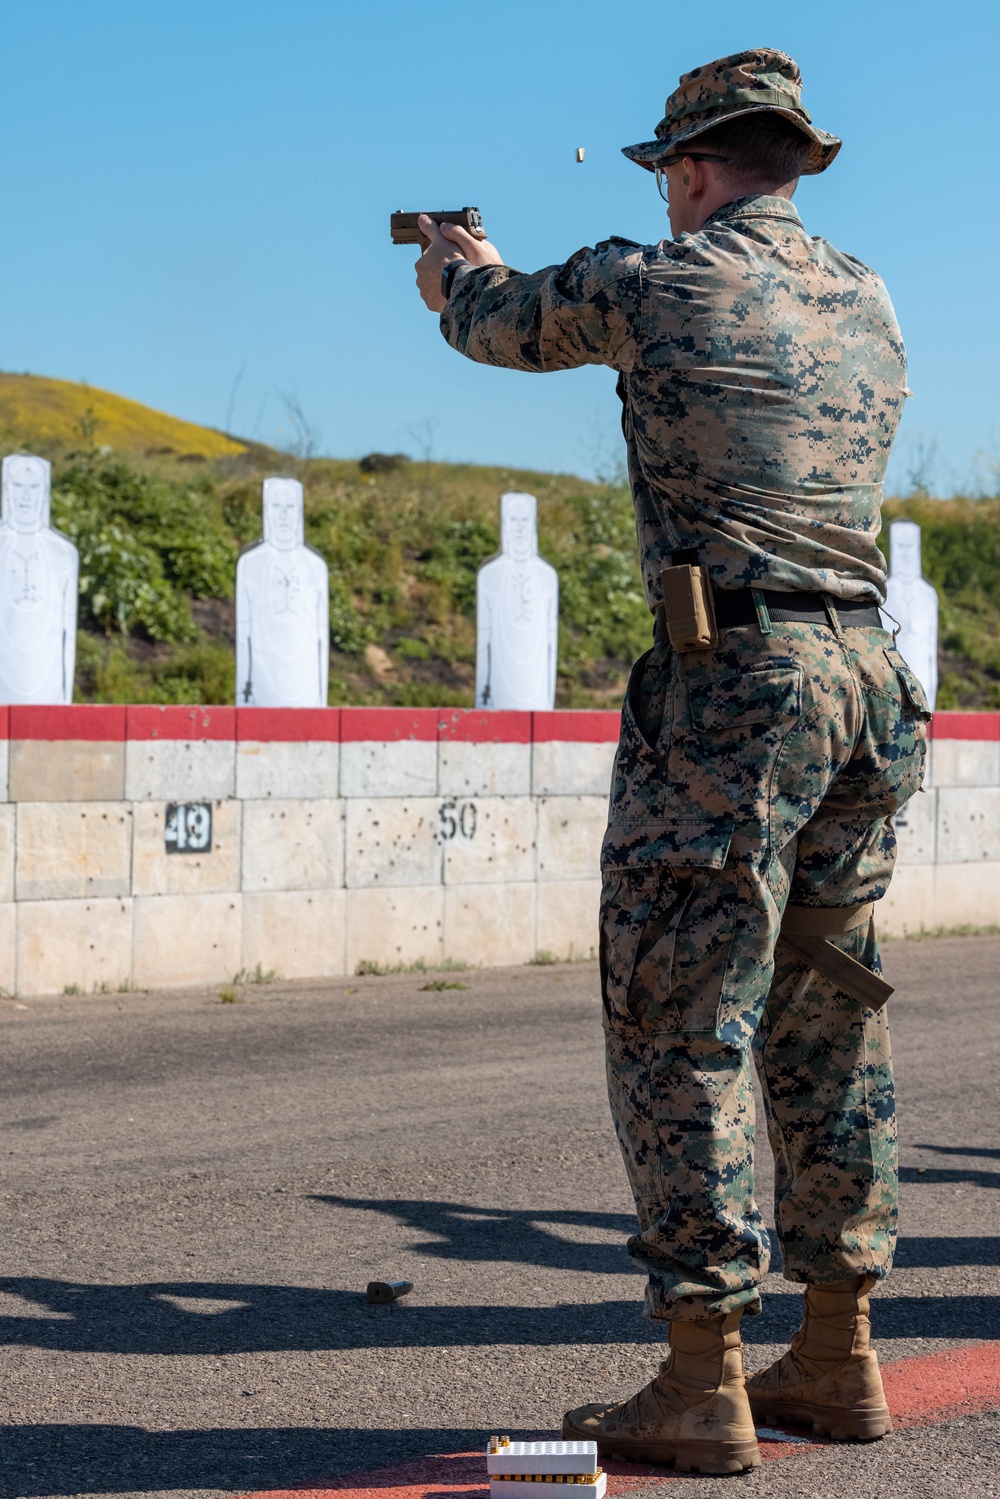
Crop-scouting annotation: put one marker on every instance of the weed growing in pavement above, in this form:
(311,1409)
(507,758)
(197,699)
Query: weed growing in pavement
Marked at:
(228,995)
(73,989)
(437,985)
(256,975)
(369,968)
(544,957)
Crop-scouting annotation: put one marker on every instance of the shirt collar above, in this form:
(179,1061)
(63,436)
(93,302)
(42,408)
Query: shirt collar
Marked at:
(764,206)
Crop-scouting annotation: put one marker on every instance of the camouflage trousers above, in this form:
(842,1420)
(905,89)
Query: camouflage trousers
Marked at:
(750,777)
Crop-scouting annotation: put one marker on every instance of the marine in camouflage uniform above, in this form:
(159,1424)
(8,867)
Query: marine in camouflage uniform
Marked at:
(762,377)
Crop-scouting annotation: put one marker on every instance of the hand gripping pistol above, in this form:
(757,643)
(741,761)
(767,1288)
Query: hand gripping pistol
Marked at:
(403,226)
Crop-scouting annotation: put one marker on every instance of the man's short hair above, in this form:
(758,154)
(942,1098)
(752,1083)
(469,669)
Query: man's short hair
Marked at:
(762,148)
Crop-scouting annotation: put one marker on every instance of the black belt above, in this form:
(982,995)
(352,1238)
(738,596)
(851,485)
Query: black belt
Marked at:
(736,607)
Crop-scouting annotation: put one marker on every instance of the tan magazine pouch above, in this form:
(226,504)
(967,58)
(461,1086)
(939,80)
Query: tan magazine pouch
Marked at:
(805,930)
(688,607)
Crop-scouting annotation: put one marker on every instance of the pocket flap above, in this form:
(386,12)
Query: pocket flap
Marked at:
(913,694)
(754,697)
(686,845)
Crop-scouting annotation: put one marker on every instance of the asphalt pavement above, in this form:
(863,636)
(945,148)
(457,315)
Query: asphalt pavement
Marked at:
(196,1193)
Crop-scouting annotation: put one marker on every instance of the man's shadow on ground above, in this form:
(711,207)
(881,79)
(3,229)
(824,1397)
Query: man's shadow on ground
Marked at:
(219,1317)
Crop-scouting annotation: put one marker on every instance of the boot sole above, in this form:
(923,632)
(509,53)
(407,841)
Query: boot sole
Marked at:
(686,1456)
(837,1422)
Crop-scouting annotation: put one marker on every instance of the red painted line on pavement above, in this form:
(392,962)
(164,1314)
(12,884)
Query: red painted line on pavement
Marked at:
(921,1391)
(463,1473)
(939,1386)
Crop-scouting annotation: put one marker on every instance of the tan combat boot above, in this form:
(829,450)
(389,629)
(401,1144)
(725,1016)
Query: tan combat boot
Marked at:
(829,1379)
(695,1414)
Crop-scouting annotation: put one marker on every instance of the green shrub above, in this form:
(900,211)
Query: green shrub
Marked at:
(146,547)
(201,672)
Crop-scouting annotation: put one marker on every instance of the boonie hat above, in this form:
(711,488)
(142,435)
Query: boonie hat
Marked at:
(746,83)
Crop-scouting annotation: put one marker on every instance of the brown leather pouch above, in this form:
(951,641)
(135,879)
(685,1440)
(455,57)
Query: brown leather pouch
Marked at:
(688,607)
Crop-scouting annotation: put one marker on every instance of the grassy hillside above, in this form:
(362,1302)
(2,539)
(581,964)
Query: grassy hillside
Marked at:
(159,535)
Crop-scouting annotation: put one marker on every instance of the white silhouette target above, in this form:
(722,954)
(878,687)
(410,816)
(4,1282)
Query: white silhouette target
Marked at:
(912,601)
(39,575)
(282,610)
(517,615)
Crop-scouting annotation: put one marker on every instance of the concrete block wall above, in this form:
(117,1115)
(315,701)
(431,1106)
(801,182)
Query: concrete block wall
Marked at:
(340,837)
(948,874)
(345,837)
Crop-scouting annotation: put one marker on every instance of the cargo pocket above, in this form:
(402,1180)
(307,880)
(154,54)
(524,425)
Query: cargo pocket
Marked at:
(648,891)
(640,913)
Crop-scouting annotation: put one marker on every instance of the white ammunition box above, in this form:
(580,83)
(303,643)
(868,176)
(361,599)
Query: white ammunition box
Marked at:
(515,1467)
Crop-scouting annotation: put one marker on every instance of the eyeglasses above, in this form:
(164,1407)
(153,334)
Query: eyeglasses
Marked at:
(661,171)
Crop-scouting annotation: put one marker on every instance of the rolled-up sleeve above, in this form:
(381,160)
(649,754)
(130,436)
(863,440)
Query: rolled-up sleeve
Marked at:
(587,311)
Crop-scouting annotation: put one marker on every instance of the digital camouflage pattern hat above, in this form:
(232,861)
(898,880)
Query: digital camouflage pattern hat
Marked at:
(746,83)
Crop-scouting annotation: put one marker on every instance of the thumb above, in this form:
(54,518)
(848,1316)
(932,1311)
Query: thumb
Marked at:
(429,228)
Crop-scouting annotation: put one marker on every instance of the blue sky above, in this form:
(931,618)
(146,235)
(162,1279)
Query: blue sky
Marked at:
(197,200)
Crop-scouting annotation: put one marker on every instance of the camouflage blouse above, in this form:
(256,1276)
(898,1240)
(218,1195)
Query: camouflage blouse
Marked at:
(762,375)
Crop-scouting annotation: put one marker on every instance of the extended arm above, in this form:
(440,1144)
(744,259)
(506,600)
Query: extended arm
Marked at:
(584,312)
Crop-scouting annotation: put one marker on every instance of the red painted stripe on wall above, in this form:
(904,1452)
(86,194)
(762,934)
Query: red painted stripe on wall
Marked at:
(180,722)
(288,725)
(484,725)
(953,725)
(576,725)
(388,725)
(114,721)
(87,721)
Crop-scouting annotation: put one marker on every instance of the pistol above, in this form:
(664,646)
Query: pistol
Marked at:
(405,232)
